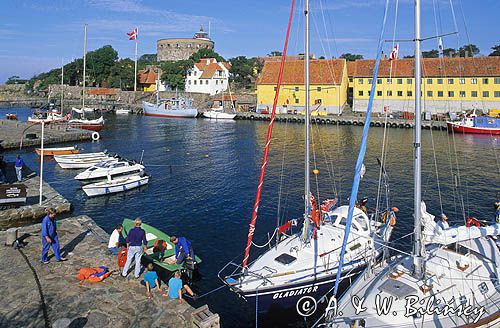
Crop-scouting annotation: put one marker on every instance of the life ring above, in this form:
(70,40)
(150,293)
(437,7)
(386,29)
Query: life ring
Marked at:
(95,136)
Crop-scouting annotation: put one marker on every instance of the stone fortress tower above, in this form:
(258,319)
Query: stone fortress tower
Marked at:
(179,49)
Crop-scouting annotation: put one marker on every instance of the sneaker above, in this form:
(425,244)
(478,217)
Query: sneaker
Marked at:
(62,259)
(45,262)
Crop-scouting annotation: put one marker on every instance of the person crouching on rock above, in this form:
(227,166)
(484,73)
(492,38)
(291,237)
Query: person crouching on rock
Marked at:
(176,287)
(49,237)
(151,281)
(116,240)
(136,243)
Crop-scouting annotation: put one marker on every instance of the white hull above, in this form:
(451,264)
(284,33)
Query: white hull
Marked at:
(122,111)
(115,185)
(99,120)
(80,156)
(160,111)
(216,115)
(102,170)
(83,163)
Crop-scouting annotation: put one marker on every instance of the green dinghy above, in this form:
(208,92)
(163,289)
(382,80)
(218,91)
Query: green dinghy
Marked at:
(164,259)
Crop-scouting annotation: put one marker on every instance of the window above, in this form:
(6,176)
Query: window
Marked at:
(486,94)
(429,81)
(360,93)
(429,93)
(296,88)
(194,73)
(379,81)
(451,94)
(389,81)
(473,93)
(389,93)
(409,81)
(296,100)
(189,81)
(216,81)
(440,93)
(369,93)
(462,94)
(360,81)
(497,80)
(400,93)
(318,101)
(497,94)
(351,79)
(189,73)
(369,81)
(409,93)
(450,81)
(400,81)
(379,93)
(319,89)
(461,81)
(274,88)
(473,81)
(194,82)
(440,81)
(206,81)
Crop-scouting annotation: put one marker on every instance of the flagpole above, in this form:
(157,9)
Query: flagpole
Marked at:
(135,69)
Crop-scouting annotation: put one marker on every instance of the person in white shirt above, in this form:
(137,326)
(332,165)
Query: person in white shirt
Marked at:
(443,223)
(116,240)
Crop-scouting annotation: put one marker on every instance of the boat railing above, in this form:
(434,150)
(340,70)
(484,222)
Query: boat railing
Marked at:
(232,273)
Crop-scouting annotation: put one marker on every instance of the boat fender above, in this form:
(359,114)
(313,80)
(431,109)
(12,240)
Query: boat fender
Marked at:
(122,257)
(95,136)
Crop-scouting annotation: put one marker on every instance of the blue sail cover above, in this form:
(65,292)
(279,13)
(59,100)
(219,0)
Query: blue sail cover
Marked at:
(361,155)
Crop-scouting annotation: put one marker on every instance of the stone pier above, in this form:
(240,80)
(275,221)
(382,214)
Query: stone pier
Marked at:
(115,302)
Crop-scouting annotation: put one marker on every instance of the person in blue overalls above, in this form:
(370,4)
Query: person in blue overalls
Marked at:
(49,237)
(183,249)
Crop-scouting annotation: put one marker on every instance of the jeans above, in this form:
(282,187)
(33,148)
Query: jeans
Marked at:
(19,173)
(114,250)
(134,252)
(46,246)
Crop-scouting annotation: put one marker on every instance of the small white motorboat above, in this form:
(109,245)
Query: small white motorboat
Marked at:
(84,163)
(80,155)
(115,185)
(104,170)
(122,111)
(218,114)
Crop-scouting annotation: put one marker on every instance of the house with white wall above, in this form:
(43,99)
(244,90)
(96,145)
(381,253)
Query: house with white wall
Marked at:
(208,76)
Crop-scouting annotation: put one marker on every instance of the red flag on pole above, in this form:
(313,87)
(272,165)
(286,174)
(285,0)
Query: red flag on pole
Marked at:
(394,53)
(133,35)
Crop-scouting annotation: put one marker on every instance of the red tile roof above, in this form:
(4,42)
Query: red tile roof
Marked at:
(102,91)
(351,68)
(209,66)
(147,75)
(322,71)
(432,67)
(226,98)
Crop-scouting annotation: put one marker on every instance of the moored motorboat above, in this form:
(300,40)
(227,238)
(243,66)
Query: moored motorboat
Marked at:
(46,117)
(83,163)
(112,186)
(57,151)
(164,259)
(104,170)
(476,124)
(218,114)
(11,116)
(80,155)
(122,111)
(93,125)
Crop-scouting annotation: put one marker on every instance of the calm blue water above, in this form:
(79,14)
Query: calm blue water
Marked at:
(204,177)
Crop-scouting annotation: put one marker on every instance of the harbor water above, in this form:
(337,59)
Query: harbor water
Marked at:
(204,176)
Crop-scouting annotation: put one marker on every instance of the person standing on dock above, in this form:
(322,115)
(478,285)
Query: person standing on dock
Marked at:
(49,237)
(183,249)
(136,243)
(19,168)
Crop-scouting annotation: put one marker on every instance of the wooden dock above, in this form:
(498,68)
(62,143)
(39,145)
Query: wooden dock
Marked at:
(343,120)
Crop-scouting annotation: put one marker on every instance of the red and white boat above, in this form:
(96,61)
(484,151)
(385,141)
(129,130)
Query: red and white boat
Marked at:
(476,124)
(93,125)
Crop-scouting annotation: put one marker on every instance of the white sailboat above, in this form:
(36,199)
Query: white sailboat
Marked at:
(306,264)
(218,112)
(115,185)
(451,279)
(82,122)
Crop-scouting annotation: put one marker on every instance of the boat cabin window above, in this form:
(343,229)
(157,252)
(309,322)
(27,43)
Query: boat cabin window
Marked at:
(93,169)
(362,222)
(285,259)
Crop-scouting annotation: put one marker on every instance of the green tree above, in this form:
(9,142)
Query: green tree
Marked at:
(449,52)
(351,57)
(15,80)
(471,50)
(122,74)
(150,58)
(496,50)
(205,53)
(173,73)
(244,71)
(430,54)
(99,64)
(274,53)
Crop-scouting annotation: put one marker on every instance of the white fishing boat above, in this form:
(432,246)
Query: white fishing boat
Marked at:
(218,114)
(83,163)
(115,185)
(305,263)
(450,279)
(178,107)
(103,170)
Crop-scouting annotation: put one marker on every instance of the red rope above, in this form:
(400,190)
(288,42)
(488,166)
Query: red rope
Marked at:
(253,221)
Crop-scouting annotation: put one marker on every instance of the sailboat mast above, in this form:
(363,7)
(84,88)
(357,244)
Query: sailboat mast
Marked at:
(84,65)
(418,263)
(307,206)
(62,86)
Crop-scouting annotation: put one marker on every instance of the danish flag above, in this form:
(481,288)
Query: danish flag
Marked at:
(394,53)
(133,35)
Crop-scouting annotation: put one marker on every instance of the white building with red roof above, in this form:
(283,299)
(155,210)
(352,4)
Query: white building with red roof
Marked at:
(208,76)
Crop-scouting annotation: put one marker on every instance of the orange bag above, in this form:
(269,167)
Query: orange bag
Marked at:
(122,257)
(85,273)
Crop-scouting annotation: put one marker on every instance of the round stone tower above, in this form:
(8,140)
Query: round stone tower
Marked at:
(179,49)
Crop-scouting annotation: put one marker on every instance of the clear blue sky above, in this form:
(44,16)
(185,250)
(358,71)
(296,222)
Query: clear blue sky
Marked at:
(37,35)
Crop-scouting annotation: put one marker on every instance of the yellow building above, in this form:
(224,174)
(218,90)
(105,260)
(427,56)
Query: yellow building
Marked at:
(146,79)
(328,86)
(448,84)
